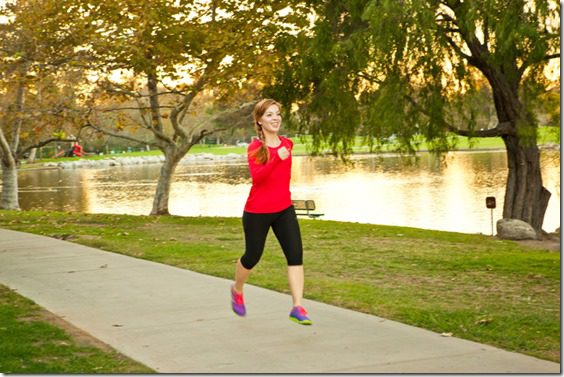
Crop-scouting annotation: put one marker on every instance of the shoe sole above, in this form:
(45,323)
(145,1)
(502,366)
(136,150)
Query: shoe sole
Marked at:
(239,314)
(306,322)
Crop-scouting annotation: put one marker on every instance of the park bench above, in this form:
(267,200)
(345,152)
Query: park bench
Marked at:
(305,208)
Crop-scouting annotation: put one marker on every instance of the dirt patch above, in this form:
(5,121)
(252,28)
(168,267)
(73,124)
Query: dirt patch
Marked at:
(80,336)
(551,242)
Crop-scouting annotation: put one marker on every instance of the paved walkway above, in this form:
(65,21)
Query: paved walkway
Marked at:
(178,321)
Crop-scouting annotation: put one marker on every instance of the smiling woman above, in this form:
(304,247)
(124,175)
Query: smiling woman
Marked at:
(267,125)
(269,205)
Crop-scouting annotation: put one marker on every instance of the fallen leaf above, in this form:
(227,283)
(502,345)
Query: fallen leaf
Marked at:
(483,321)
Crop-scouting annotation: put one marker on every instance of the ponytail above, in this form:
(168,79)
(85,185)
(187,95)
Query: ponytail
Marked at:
(261,154)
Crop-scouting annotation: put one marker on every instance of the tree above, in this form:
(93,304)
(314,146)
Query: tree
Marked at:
(383,67)
(37,83)
(174,52)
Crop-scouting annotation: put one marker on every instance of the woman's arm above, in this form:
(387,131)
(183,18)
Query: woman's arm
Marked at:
(260,172)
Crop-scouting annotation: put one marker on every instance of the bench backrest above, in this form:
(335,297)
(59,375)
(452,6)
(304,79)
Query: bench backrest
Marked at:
(304,205)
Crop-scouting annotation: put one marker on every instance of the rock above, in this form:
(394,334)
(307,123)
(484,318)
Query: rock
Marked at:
(514,229)
(553,146)
(207,156)
(234,156)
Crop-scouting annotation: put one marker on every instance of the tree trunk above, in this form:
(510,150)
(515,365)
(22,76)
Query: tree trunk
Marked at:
(32,155)
(19,110)
(160,201)
(9,175)
(8,151)
(525,197)
(10,187)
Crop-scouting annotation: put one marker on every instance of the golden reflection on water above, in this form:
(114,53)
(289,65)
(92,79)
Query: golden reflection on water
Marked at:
(427,194)
(200,193)
(424,193)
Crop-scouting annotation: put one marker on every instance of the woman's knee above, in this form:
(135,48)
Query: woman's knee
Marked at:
(294,258)
(249,261)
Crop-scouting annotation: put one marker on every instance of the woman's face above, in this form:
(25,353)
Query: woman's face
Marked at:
(271,120)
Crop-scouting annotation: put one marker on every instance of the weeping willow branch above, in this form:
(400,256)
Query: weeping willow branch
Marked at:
(504,128)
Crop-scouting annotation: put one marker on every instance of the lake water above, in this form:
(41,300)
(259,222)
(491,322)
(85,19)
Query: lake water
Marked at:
(379,190)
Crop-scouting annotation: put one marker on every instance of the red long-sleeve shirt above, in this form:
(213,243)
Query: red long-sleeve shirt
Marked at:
(270,191)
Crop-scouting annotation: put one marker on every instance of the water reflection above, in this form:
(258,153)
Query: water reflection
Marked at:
(425,193)
(60,190)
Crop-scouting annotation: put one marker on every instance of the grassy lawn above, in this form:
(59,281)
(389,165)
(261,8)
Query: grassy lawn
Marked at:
(473,286)
(30,343)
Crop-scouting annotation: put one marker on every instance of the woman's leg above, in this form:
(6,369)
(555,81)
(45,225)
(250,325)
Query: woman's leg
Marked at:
(241,276)
(256,228)
(287,231)
(296,282)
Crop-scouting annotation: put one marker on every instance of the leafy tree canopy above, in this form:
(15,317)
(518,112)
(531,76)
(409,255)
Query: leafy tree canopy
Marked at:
(408,68)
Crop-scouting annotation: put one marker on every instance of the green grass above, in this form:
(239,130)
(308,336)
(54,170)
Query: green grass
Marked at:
(30,343)
(475,287)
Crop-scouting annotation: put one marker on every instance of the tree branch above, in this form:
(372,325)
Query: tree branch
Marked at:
(479,52)
(551,56)
(6,153)
(527,63)
(204,133)
(170,90)
(117,90)
(125,137)
(42,144)
(486,33)
(178,113)
(457,49)
(225,116)
(140,108)
(189,97)
(370,78)
(504,128)
(446,18)
(109,109)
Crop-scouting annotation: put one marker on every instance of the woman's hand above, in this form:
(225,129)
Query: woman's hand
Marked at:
(283,153)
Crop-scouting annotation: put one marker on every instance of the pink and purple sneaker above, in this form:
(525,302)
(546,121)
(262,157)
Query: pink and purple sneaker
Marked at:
(299,315)
(237,303)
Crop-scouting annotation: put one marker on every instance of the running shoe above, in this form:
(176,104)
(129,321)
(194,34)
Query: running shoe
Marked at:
(237,303)
(299,315)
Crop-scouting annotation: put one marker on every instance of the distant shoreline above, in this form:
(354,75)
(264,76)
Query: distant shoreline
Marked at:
(130,159)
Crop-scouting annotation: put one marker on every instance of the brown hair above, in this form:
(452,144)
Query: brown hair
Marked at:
(261,154)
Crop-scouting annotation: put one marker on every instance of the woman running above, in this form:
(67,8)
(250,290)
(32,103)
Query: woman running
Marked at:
(269,205)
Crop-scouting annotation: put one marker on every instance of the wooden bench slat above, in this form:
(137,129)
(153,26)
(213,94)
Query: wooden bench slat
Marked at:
(304,205)
(307,206)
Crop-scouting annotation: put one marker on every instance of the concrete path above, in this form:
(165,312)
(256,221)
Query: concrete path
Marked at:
(178,321)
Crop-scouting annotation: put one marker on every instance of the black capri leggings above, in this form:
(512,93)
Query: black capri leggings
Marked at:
(287,231)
